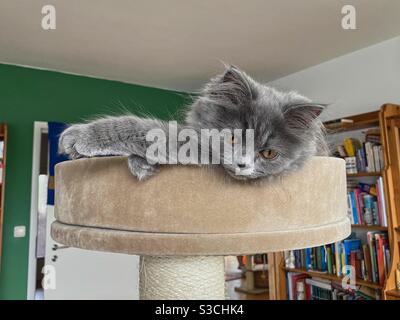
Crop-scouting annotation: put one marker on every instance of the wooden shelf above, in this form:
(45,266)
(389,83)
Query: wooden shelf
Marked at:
(363,174)
(362,121)
(333,277)
(394,294)
(376,228)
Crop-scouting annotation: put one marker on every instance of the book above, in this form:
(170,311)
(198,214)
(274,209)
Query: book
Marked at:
(361,161)
(377,164)
(350,245)
(368,266)
(350,212)
(373,135)
(387,259)
(381,203)
(364,203)
(329,259)
(368,205)
(293,278)
(308,254)
(320,290)
(375,214)
(367,188)
(374,263)
(380,242)
(370,157)
(337,259)
(354,208)
(351,146)
(381,161)
(341,151)
(351,165)
(353,259)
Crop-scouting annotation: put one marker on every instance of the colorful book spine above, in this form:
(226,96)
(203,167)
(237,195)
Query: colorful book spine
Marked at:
(354,208)
(370,260)
(374,264)
(382,206)
(329,260)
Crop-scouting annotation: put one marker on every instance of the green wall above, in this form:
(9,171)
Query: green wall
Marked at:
(28,95)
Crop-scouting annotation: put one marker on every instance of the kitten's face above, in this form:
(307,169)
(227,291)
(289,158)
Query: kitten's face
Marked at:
(286,131)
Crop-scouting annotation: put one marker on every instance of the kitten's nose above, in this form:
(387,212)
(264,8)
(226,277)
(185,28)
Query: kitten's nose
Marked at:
(243,162)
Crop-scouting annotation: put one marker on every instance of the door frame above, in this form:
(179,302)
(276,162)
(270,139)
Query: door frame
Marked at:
(39,128)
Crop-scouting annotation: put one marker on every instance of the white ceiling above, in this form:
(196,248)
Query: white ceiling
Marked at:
(177,44)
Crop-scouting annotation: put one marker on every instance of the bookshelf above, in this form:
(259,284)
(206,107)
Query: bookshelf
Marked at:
(393,295)
(328,276)
(251,268)
(3,157)
(387,120)
(367,227)
(364,174)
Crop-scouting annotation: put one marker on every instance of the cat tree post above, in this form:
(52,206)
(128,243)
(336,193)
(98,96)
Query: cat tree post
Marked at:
(184,220)
(189,277)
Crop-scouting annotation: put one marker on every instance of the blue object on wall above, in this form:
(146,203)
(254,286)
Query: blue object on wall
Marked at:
(55,129)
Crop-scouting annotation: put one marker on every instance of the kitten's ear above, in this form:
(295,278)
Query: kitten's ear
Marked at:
(233,87)
(300,116)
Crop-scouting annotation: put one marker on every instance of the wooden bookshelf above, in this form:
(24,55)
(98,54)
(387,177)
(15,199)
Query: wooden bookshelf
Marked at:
(352,123)
(393,295)
(369,228)
(389,118)
(324,275)
(3,137)
(364,174)
(388,121)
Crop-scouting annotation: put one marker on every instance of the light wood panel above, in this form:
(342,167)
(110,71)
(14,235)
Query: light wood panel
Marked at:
(390,125)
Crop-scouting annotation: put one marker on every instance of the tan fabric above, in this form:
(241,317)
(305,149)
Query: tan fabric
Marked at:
(197,211)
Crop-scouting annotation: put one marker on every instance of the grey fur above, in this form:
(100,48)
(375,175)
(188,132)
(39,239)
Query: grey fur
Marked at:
(284,121)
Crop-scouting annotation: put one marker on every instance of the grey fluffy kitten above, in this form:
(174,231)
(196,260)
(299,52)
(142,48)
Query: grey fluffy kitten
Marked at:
(287,130)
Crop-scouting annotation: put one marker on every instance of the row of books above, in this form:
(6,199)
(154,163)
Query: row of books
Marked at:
(369,261)
(368,158)
(366,204)
(362,157)
(303,287)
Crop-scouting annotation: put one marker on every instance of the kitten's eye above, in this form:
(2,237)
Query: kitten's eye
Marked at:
(269,154)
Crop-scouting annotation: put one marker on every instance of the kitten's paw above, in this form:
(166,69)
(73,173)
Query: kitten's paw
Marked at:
(71,139)
(80,140)
(140,168)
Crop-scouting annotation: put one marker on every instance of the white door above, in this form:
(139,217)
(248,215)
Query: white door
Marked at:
(84,274)
(74,273)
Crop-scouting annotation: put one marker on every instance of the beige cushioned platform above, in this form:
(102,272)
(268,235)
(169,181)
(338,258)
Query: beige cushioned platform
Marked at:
(188,210)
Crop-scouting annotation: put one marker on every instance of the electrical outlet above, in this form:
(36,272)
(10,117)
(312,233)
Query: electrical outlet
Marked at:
(19,231)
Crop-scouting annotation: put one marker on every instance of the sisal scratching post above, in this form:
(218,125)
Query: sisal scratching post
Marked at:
(189,278)
(184,220)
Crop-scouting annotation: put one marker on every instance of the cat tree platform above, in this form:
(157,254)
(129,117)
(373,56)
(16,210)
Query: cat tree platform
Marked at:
(185,219)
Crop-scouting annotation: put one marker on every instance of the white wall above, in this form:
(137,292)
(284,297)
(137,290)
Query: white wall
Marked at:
(355,83)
